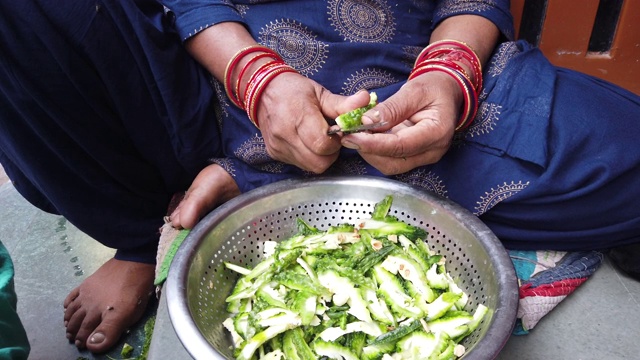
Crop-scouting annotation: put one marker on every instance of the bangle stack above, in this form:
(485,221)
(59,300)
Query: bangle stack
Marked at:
(449,56)
(257,81)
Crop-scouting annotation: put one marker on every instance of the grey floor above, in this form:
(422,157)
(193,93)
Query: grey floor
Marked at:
(601,320)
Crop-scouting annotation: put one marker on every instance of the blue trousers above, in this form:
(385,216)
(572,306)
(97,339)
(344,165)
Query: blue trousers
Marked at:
(103,115)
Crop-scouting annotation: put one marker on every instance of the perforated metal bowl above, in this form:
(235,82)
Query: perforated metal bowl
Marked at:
(198,282)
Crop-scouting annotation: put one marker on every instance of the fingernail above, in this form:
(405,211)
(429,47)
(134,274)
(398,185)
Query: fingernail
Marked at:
(350,145)
(97,338)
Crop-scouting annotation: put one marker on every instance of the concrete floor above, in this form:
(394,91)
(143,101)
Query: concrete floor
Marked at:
(599,321)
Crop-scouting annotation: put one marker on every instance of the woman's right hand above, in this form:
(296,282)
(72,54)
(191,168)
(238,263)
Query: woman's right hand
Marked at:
(292,116)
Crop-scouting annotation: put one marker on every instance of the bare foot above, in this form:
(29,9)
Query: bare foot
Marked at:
(107,303)
(212,187)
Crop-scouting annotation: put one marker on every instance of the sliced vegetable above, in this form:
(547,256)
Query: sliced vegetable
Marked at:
(353,118)
(371,289)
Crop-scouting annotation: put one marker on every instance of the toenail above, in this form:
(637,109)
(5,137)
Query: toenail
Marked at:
(69,336)
(66,323)
(97,338)
(78,343)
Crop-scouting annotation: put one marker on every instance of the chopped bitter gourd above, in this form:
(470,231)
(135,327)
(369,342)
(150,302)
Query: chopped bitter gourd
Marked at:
(353,118)
(371,289)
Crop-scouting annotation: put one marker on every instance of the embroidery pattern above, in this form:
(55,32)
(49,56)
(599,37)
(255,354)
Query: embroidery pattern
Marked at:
(362,21)
(451,7)
(242,9)
(410,55)
(487,117)
(223,101)
(253,151)
(425,179)
(226,164)
(350,166)
(367,79)
(502,55)
(495,196)
(420,4)
(296,44)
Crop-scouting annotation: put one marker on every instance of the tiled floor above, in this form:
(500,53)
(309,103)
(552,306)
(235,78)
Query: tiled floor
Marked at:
(599,321)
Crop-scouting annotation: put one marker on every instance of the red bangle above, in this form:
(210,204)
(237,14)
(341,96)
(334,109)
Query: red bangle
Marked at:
(237,57)
(244,69)
(470,97)
(454,50)
(453,54)
(255,78)
(256,88)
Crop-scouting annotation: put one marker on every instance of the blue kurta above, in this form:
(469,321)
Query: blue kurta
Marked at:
(550,162)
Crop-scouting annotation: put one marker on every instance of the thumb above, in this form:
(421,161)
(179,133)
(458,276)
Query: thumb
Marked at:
(395,109)
(334,105)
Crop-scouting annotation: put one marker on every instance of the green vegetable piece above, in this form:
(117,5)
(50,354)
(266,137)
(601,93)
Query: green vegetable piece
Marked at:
(356,341)
(127,350)
(341,228)
(398,333)
(257,340)
(382,229)
(478,315)
(417,345)
(295,347)
(376,352)
(333,350)
(353,118)
(305,228)
(454,324)
(381,209)
(391,290)
(300,282)
(441,305)
(304,303)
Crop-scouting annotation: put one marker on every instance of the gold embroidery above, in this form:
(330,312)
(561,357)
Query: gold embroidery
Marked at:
(242,9)
(421,4)
(487,117)
(351,166)
(367,79)
(223,101)
(451,7)
(410,55)
(495,196)
(226,164)
(362,21)
(501,57)
(253,151)
(424,179)
(296,44)
(274,167)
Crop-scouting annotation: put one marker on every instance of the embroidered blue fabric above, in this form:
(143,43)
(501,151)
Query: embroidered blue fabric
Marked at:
(534,163)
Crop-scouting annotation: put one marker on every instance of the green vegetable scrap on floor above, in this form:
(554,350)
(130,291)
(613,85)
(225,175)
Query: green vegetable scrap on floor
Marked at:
(368,290)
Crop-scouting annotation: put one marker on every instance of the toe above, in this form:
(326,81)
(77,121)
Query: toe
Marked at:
(71,297)
(86,328)
(70,310)
(107,333)
(74,323)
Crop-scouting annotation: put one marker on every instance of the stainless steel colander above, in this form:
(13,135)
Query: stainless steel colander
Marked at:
(198,282)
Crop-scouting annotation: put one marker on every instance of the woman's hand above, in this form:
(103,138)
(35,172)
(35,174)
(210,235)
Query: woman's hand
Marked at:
(425,112)
(292,115)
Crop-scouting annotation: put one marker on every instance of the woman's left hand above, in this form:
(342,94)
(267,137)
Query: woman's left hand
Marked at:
(424,114)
